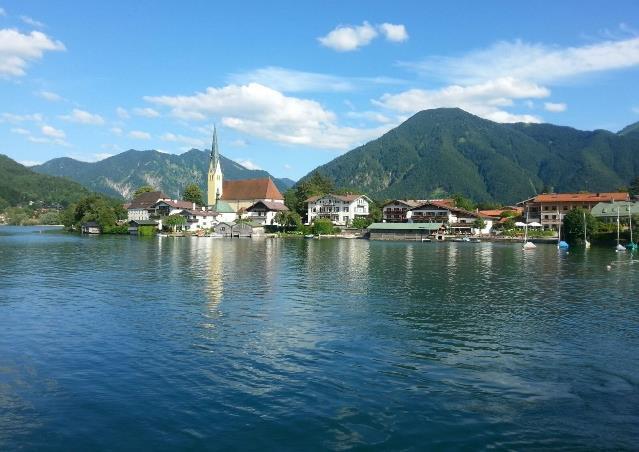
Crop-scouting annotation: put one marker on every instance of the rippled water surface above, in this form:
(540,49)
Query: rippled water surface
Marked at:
(124,343)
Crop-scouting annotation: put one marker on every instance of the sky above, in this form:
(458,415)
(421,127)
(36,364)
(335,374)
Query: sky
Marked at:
(291,85)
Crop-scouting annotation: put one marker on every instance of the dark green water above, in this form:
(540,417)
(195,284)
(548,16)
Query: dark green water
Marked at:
(118,343)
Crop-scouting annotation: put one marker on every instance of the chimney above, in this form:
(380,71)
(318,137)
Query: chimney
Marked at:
(193,206)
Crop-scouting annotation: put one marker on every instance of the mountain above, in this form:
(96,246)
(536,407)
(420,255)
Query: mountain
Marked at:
(20,185)
(122,174)
(630,131)
(445,151)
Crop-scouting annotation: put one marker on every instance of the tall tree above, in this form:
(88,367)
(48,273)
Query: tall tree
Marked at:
(573,225)
(193,193)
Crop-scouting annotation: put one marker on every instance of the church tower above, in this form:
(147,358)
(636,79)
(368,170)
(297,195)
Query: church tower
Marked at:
(215,173)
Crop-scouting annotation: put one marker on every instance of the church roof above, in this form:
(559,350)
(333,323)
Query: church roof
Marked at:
(245,189)
(223,207)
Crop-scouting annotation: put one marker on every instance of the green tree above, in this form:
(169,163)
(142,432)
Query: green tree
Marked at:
(573,225)
(361,223)
(479,223)
(463,202)
(634,187)
(508,224)
(316,184)
(104,211)
(51,217)
(290,221)
(193,193)
(143,189)
(322,226)
(175,220)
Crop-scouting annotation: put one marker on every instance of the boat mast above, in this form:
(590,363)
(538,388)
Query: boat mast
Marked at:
(585,238)
(630,222)
(617,225)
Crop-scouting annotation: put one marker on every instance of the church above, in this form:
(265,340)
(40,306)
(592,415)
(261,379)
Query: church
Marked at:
(238,196)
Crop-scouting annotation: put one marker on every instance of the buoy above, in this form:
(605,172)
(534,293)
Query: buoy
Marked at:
(608,267)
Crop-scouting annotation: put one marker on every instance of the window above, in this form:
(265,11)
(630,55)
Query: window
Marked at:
(345,209)
(554,217)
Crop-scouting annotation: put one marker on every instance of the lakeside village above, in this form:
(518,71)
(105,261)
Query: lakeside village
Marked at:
(255,207)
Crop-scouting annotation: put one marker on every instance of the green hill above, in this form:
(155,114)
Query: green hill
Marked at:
(630,131)
(121,174)
(444,151)
(19,186)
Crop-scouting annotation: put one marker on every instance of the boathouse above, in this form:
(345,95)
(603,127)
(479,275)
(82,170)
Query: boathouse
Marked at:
(403,231)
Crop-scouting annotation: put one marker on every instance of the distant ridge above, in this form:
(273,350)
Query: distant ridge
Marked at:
(121,174)
(445,151)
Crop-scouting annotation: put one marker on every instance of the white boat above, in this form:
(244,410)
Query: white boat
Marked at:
(619,248)
(528,245)
(586,242)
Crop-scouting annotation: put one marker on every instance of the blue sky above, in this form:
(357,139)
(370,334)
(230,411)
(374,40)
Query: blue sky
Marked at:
(292,85)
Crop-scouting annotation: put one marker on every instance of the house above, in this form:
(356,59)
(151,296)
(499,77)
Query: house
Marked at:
(607,211)
(223,228)
(404,231)
(395,211)
(141,208)
(91,227)
(198,219)
(134,225)
(264,212)
(242,230)
(550,208)
(456,220)
(165,207)
(340,209)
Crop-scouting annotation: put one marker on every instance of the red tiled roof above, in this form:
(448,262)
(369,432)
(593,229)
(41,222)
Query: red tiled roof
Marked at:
(179,204)
(498,212)
(250,189)
(146,200)
(581,197)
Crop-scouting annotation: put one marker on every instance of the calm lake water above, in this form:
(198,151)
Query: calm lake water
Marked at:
(125,343)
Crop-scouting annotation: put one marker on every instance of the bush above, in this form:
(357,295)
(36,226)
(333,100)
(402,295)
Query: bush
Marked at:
(322,226)
(361,223)
(121,229)
(147,231)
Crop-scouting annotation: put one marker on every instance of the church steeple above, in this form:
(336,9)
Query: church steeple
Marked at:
(215,177)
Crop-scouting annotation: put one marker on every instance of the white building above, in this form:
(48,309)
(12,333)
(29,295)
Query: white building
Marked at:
(141,208)
(198,219)
(264,212)
(340,209)
(456,220)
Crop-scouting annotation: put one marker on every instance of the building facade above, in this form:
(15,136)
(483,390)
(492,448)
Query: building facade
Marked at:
(395,211)
(142,206)
(264,212)
(455,220)
(340,209)
(550,208)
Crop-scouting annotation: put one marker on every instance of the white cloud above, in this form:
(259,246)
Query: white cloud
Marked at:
(116,130)
(486,99)
(2,12)
(191,141)
(394,33)
(17,49)
(48,95)
(31,21)
(349,38)
(52,132)
(122,113)
(267,113)
(635,110)
(146,112)
(535,62)
(20,131)
(292,81)
(13,118)
(248,164)
(239,143)
(29,162)
(555,107)
(83,117)
(139,135)
(287,166)
(369,116)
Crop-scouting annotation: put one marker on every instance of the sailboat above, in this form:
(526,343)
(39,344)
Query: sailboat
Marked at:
(619,246)
(632,246)
(561,245)
(527,245)
(586,242)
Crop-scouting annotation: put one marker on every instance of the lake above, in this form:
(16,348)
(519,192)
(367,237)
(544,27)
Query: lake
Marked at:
(126,343)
